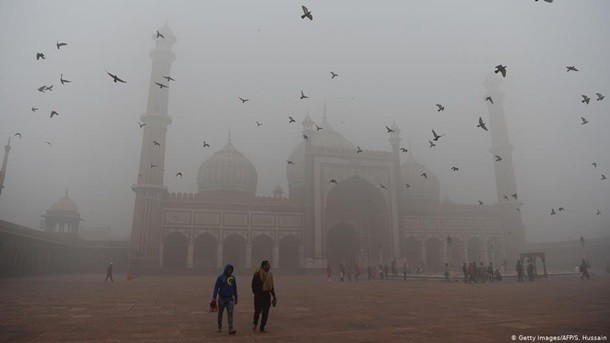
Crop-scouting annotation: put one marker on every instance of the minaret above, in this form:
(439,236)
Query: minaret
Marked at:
(7,148)
(506,184)
(146,231)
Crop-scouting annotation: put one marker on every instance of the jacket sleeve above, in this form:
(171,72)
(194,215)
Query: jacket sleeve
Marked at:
(216,287)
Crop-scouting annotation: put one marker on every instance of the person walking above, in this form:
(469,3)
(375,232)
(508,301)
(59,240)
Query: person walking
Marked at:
(263,290)
(465,271)
(226,291)
(109,273)
(404,271)
(447,273)
(519,271)
(356,271)
(328,273)
(530,271)
(584,269)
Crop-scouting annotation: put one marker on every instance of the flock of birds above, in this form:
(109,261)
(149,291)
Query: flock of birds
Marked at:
(499,69)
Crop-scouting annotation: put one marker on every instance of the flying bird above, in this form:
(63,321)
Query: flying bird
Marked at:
(333,75)
(505,197)
(159,35)
(39,55)
(152,165)
(584,121)
(389,130)
(304,137)
(306,13)
(358,150)
(403,150)
(59,45)
(585,99)
(501,69)
(179,174)
(49,143)
(115,78)
(571,68)
(382,186)
(62,80)
(432,144)
(141,125)
(598,212)
(289,162)
(53,113)
(498,158)
(440,107)
(156,143)
(34,109)
(243,101)
(436,137)
(333,181)
(594,165)
(514,195)
(290,120)
(600,96)
(303,96)
(480,202)
(518,209)
(168,78)
(455,168)
(407,185)
(18,134)
(48,88)
(258,124)
(160,85)
(553,212)
(561,209)
(41,89)
(425,175)
(604,177)
(318,128)
(482,124)
(488,98)
(205,144)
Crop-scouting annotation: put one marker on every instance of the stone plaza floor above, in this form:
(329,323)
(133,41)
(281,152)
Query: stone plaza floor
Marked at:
(175,309)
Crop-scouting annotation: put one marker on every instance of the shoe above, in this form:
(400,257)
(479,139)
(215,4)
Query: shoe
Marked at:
(232,332)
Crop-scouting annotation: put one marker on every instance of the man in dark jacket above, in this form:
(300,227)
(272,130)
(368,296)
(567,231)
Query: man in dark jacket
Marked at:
(109,273)
(226,290)
(262,287)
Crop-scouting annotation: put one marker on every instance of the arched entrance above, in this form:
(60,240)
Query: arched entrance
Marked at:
(412,252)
(475,248)
(234,251)
(343,245)
(262,249)
(433,255)
(175,249)
(204,252)
(358,204)
(493,251)
(289,253)
(456,256)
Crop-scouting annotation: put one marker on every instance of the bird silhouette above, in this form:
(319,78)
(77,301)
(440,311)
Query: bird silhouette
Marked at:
(382,186)
(115,78)
(604,177)
(505,197)
(389,130)
(333,75)
(205,144)
(179,174)
(561,209)
(48,88)
(333,181)
(306,13)
(432,144)
(168,78)
(594,165)
(34,109)
(425,175)
(318,128)
(303,96)
(53,113)
(41,89)
(584,121)
(161,86)
(59,45)
(518,209)
(49,143)
(498,158)
(156,143)
(305,137)
(290,120)
(480,202)
(436,137)
(358,150)
(243,101)
(501,69)
(407,185)
(289,162)
(141,125)
(152,165)
(258,124)
(598,212)
(488,98)
(514,195)
(600,96)
(403,150)
(62,80)
(18,134)
(553,212)
(571,68)
(159,35)
(455,168)
(440,107)
(39,55)
(585,99)
(482,124)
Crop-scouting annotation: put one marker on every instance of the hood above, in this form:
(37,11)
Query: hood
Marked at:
(227,266)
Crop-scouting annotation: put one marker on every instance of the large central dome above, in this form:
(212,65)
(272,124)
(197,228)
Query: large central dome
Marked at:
(227,171)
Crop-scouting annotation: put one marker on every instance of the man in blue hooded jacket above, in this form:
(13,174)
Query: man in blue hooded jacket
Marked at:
(226,290)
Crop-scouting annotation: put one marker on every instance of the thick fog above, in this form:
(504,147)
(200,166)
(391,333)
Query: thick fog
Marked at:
(395,60)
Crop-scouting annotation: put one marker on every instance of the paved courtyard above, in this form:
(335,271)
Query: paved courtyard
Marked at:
(175,308)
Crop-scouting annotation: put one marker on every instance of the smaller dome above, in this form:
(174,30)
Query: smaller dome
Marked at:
(421,188)
(64,204)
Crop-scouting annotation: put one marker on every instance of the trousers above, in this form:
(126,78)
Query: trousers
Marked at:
(262,303)
(229,304)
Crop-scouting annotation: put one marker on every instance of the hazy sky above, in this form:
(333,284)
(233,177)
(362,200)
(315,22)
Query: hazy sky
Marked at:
(396,60)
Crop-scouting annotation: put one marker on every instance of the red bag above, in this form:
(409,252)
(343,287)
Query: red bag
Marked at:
(213,306)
